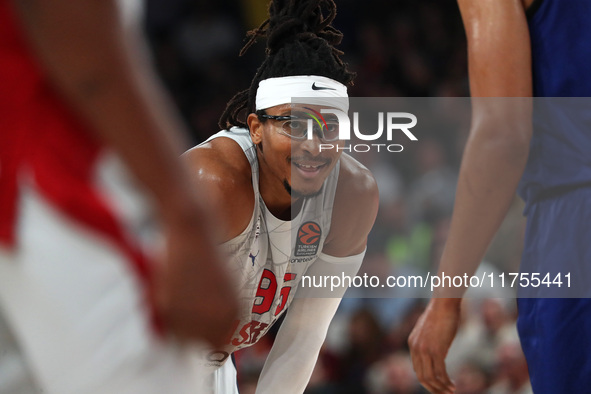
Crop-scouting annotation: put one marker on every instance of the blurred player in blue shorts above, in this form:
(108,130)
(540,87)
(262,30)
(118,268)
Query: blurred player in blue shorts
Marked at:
(518,49)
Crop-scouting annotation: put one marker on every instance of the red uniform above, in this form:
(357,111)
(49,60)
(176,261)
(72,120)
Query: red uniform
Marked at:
(70,249)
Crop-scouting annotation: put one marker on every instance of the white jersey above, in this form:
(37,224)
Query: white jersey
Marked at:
(270,256)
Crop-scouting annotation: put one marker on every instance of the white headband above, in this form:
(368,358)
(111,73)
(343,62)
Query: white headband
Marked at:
(302,89)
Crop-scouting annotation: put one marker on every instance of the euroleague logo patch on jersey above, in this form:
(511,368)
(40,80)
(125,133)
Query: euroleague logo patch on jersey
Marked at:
(308,239)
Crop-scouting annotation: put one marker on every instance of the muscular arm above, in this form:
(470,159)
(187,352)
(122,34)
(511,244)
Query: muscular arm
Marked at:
(496,151)
(94,61)
(295,351)
(499,59)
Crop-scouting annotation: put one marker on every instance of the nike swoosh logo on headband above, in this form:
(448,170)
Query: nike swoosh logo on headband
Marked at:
(314,87)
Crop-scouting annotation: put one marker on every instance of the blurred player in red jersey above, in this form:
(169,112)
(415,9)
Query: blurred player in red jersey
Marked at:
(79,287)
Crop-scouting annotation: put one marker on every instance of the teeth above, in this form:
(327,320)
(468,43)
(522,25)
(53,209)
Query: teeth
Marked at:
(308,167)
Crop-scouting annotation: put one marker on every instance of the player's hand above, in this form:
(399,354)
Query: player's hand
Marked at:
(195,297)
(430,340)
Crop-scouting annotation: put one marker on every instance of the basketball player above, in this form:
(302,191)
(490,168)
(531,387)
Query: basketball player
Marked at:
(79,292)
(286,208)
(518,49)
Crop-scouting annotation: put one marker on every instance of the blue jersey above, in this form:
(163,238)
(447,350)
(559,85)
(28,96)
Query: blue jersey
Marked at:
(560,152)
(556,186)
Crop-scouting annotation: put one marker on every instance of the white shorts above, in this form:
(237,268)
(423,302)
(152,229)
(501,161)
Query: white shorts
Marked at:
(76,309)
(222,380)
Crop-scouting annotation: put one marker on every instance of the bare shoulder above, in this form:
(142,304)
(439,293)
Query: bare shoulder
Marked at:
(356,181)
(220,161)
(221,174)
(355,209)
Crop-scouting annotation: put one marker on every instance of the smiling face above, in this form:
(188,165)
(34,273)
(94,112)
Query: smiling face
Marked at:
(296,165)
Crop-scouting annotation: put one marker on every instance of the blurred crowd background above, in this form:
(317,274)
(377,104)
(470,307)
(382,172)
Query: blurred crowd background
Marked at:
(399,48)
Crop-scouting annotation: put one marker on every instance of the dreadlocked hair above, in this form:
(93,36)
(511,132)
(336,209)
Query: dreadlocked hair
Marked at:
(300,41)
